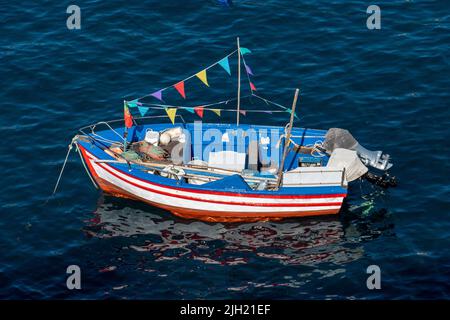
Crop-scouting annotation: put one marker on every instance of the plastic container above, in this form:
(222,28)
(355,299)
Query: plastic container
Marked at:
(152,137)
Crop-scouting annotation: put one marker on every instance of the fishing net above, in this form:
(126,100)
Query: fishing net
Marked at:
(130,155)
(149,151)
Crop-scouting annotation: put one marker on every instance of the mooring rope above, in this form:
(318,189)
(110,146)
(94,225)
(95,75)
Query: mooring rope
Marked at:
(64,165)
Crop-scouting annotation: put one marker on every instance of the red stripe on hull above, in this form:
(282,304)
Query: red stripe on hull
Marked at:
(88,163)
(204,215)
(312,196)
(218,201)
(215,216)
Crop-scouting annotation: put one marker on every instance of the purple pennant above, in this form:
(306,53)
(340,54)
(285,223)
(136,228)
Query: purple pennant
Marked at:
(249,71)
(157,95)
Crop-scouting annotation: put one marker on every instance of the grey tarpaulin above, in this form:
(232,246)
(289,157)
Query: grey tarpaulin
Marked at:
(339,138)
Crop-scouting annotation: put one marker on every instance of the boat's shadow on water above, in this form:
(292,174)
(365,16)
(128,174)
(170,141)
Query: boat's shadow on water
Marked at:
(307,241)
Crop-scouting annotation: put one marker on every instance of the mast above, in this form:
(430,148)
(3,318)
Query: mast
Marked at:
(125,131)
(287,139)
(239,83)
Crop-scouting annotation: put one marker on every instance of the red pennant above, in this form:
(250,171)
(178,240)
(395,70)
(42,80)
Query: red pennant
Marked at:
(199,111)
(252,86)
(180,88)
(128,117)
(243,112)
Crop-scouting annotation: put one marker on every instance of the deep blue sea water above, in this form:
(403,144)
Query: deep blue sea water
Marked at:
(389,87)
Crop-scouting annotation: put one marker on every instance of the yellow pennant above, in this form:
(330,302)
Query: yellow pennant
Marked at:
(171,112)
(202,76)
(216,111)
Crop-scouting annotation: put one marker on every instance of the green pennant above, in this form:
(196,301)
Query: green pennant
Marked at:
(132,104)
(245,50)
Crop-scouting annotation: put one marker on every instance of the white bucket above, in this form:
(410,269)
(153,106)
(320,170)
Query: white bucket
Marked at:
(152,137)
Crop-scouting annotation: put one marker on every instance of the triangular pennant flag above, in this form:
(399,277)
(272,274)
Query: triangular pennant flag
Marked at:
(199,111)
(216,111)
(157,95)
(143,111)
(224,63)
(245,50)
(202,76)
(249,70)
(191,110)
(171,112)
(252,86)
(180,88)
(132,104)
(127,116)
(243,112)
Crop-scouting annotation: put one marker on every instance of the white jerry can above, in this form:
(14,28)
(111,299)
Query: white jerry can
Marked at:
(152,137)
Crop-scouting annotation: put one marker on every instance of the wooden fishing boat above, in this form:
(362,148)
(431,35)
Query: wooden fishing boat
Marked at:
(247,172)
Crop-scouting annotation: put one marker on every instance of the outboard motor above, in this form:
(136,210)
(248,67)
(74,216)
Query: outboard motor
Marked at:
(341,138)
(375,159)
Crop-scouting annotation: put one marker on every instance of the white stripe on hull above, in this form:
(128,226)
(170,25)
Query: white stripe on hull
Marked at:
(219,197)
(126,182)
(198,205)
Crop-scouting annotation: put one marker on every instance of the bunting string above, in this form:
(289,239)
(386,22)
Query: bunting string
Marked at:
(267,101)
(215,109)
(224,63)
(171,110)
(203,105)
(248,70)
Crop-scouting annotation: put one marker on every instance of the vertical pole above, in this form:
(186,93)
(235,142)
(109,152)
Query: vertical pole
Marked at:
(125,132)
(287,139)
(239,83)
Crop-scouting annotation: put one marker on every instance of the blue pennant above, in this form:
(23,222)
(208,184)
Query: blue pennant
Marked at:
(224,63)
(143,111)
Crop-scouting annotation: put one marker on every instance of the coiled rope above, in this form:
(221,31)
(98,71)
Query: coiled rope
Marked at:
(315,147)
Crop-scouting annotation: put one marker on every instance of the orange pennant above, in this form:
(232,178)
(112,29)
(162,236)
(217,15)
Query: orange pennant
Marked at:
(199,111)
(180,88)
(127,116)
